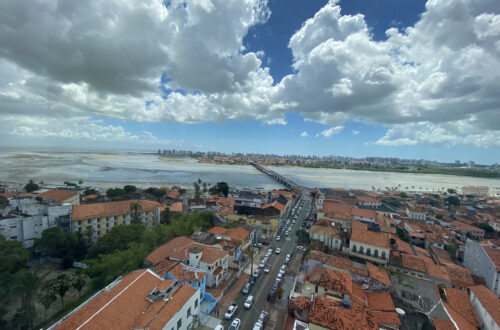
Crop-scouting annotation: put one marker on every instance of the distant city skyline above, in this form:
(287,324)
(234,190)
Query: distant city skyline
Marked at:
(407,79)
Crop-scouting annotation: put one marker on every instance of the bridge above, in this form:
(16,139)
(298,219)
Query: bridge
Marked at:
(277,177)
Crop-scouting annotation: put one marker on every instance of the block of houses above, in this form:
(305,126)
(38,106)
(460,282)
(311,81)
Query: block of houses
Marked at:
(267,226)
(212,259)
(370,245)
(483,259)
(238,235)
(467,230)
(139,300)
(416,213)
(61,196)
(368,201)
(99,218)
(326,233)
(486,304)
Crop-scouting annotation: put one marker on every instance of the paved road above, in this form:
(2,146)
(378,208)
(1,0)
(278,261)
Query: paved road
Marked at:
(264,282)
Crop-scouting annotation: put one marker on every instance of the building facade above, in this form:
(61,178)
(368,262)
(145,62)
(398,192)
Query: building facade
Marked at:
(483,259)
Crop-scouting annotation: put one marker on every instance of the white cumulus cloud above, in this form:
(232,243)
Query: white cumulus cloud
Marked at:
(304,134)
(330,131)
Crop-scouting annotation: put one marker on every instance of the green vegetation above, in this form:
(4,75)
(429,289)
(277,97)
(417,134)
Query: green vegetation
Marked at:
(451,191)
(31,186)
(123,250)
(65,245)
(90,191)
(116,194)
(135,207)
(452,250)
(129,189)
(302,236)
(155,191)
(452,200)
(403,195)
(221,188)
(402,234)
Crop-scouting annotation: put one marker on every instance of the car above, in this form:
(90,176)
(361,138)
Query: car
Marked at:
(278,238)
(256,273)
(263,317)
(231,311)
(283,267)
(286,233)
(303,224)
(288,257)
(251,281)
(219,327)
(270,296)
(248,303)
(301,248)
(259,245)
(278,251)
(258,326)
(262,264)
(235,325)
(282,272)
(247,288)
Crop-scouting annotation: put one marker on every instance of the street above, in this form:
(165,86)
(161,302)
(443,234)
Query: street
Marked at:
(264,282)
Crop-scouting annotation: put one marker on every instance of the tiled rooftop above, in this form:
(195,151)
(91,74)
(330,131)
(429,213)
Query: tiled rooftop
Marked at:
(488,300)
(331,279)
(98,210)
(58,195)
(459,301)
(459,275)
(360,233)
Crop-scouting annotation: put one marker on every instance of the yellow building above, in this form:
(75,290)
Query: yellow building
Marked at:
(101,217)
(266,225)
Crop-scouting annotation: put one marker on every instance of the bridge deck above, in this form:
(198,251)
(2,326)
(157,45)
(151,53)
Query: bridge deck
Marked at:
(277,177)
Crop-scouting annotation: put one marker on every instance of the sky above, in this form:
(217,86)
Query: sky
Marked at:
(392,78)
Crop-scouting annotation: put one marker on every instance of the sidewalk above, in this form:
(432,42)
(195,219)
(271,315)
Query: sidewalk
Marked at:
(232,294)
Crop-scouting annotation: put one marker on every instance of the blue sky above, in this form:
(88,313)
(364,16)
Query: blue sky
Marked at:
(357,78)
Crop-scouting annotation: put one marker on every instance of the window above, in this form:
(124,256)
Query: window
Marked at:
(375,253)
(188,314)
(360,249)
(368,252)
(196,303)
(354,248)
(179,324)
(383,254)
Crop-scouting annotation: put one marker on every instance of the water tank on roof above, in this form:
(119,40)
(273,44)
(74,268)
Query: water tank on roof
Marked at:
(195,254)
(345,303)
(401,312)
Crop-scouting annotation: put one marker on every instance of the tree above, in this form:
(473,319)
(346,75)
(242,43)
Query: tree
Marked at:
(403,195)
(135,207)
(486,227)
(402,234)
(48,296)
(61,284)
(78,282)
(89,191)
(13,257)
(451,191)
(80,182)
(220,188)
(197,192)
(56,243)
(25,284)
(129,189)
(303,236)
(279,293)
(205,187)
(118,238)
(164,216)
(453,200)
(31,186)
(116,194)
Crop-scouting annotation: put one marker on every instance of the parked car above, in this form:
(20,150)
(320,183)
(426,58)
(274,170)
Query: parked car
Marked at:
(278,251)
(235,325)
(267,270)
(278,238)
(263,318)
(248,303)
(231,311)
(258,326)
(262,264)
(247,288)
(301,248)
(219,327)
(256,273)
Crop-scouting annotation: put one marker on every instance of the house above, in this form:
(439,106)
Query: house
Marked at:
(459,313)
(368,201)
(483,259)
(478,191)
(326,233)
(364,215)
(237,235)
(211,259)
(328,282)
(486,304)
(26,217)
(266,225)
(367,244)
(138,300)
(61,196)
(416,213)
(99,218)
(417,238)
(467,230)
(460,277)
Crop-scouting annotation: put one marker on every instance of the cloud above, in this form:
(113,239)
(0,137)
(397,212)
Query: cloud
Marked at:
(304,134)
(330,131)
(276,121)
(354,132)
(164,61)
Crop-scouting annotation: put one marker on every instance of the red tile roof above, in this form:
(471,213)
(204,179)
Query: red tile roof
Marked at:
(125,306)
(459,275)
(413,262)
(178,249)
(277,205)
(172,194)
(436,271)
(226,212)
(181,271)
(237,233)
(58,195)
(98,210)
(360,233)
(225,201)
(337,262)
(494,255)
(331,279)
(378,273)
(371,214)
(380,301)
(443,325)
(387,318)
(489,301)
(176,207)
(459,301)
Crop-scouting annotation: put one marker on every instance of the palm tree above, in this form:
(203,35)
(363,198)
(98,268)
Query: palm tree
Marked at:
(135,207)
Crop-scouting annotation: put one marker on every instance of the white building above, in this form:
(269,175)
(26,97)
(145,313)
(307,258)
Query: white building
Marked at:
(483,259)
(369,245)
(328,235)
(139,300)
(487,307)
(478,191)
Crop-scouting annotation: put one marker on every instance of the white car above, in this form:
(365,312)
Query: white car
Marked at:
(248,303)
(278,238)
(219,327)
(256,273)
(278,251)
(262,264)
(286,233)
(230,312)
(267,270)
(257,326)
(280,276)
(301,248)
(235,325)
